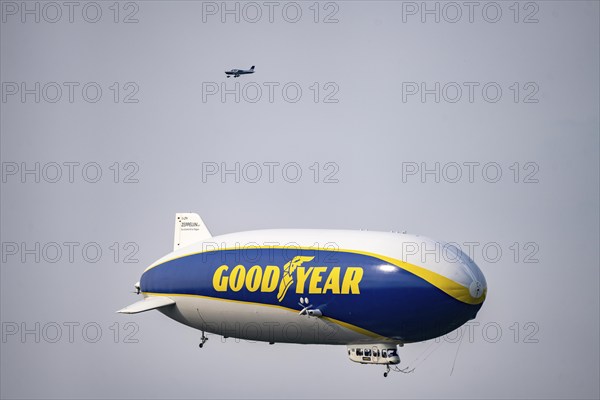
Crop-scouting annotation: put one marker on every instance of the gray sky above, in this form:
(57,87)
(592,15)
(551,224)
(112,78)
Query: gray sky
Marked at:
(370,132)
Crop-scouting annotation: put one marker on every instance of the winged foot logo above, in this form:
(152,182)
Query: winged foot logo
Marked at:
(307,279)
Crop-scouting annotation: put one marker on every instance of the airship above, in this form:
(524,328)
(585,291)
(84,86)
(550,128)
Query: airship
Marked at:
(370,291)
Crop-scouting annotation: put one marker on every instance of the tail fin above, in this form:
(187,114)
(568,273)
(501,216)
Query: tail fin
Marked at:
(189,228)
(149,303)
(252,68)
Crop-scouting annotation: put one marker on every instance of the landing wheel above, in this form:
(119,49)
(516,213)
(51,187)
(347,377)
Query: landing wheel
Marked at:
(387,371)
(203,340)
(385,374)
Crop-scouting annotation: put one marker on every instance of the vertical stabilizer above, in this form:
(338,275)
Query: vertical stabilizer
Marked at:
(189,228)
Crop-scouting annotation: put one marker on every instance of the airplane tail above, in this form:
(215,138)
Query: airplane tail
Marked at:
(252,68)
(149,303)
(189,228)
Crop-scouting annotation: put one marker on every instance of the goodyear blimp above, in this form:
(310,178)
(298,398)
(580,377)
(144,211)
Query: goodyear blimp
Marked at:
(370,291)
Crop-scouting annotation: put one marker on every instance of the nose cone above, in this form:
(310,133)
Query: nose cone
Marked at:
(453,294)
(454,271)
(470,274)
(478,289)
(467,273)
(461,269)
(478,284)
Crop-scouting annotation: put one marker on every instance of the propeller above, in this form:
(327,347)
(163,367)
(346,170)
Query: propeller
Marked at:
(307,309)
(305,306)
(138,289)
(304,310)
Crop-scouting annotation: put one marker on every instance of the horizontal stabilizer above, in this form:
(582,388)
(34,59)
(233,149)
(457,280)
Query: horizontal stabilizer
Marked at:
(149,303)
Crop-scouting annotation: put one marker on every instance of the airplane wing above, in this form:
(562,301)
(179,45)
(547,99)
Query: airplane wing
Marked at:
(149,303)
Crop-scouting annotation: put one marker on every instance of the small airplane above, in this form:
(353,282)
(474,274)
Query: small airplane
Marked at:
(370,291)
(237,72)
